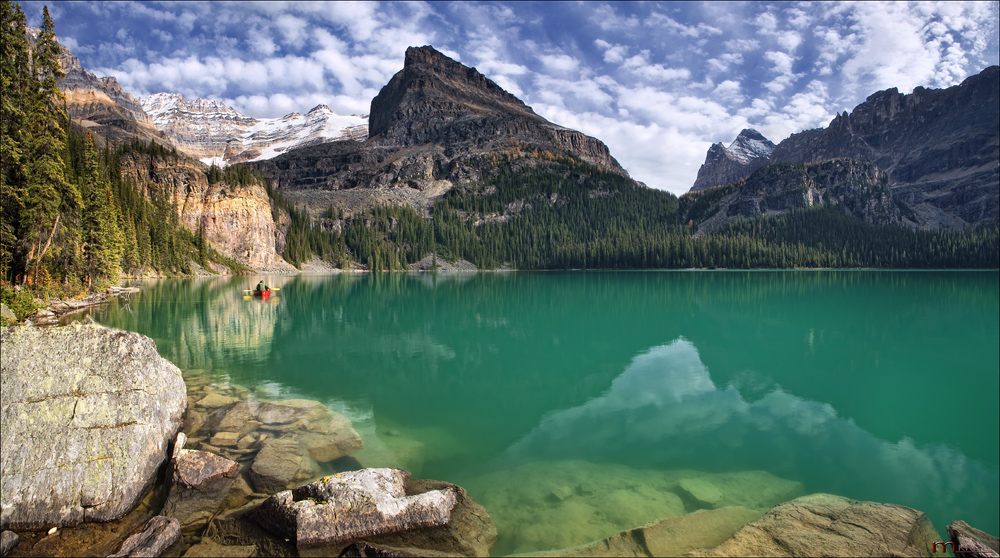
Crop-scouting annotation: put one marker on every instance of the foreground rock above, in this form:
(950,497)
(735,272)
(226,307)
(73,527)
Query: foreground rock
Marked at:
(672,536)
(969,541)
(381,507)
(88,413)
(828,525)
(159,534)
(201,483)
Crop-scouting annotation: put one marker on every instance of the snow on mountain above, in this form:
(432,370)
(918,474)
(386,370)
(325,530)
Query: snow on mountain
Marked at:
(748,152)
(749,145)
(216,133)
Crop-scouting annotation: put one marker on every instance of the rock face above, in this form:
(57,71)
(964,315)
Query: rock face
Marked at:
(437,100)
(939,147)
(860,188)
(236,220)
(88,413)
(748,152)
(435,124)
(211,130)
(828,525)
(379,506)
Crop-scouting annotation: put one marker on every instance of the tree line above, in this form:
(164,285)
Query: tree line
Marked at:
(568,214)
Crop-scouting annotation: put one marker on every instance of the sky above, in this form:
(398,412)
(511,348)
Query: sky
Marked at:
(657,82)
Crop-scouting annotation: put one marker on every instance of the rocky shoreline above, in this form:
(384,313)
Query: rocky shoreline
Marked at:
(110,450)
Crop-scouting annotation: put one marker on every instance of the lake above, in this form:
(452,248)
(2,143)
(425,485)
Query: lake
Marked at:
(573,405)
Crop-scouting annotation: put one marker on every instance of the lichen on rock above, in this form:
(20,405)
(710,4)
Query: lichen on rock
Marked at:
(88,415)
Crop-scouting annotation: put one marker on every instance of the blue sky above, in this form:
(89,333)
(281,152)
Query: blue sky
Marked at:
(657,82)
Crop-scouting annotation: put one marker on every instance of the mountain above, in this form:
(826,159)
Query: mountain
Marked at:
(213,132)
(436,124)
(748,152)
(436,100)
(860,189)
(100,105)
(939,147)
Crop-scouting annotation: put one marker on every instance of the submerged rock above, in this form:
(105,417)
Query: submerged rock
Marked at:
(379,506)
(87,415)
(279,463)
(672,536)
(210,549)
(701,491)
(201,483)
(159,534)
(829,525)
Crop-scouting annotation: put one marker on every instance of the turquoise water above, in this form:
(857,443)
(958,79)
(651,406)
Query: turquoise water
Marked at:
(560,399)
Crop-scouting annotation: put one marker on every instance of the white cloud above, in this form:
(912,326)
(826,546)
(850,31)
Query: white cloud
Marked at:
(613,54)
(293,30)
(562,63)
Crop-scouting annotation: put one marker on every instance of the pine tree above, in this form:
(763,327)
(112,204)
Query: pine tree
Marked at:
(48,193)
(14,86)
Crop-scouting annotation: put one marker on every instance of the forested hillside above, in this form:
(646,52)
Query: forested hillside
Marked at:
(70,222)
(567,214)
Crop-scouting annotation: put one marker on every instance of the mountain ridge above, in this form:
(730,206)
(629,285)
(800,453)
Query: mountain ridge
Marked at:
(434,125)
(939,147)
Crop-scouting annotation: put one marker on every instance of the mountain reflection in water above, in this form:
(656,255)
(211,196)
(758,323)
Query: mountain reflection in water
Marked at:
(664,411)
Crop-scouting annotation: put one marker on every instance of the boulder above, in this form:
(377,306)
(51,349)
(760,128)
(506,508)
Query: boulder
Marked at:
(87,416)
(279,463)
(382,507)
(215,400)
(201,482)
(829,525)
(159,534)
(672,536)
(969,541)
(7,314)
(8,540)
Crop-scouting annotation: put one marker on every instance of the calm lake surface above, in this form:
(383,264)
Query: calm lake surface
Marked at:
(571,404)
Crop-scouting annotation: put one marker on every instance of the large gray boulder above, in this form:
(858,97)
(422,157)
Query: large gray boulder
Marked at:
(380,506)
(87,415)
(829,525)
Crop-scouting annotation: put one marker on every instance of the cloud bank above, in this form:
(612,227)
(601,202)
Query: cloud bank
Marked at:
(658,83)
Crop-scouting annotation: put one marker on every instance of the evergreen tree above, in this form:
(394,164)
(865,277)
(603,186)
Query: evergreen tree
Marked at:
(48,193)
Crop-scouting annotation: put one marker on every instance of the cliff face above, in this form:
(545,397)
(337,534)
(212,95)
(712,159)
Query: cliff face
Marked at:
(436,100)
(940,148)
(748,152)
(237,221)
(861,189)
(214,132)
(100,105)
(432,126)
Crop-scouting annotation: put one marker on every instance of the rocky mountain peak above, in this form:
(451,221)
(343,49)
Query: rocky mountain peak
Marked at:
(748,152)
(435,100)
(749,145)
(431,90)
